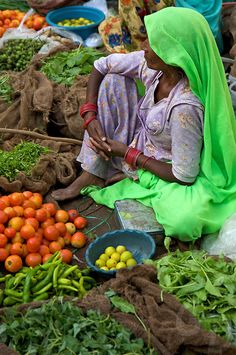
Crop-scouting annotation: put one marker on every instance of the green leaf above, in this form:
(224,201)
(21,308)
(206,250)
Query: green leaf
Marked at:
(123,305)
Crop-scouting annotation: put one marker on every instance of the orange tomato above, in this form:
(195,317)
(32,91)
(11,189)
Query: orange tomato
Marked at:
(10,232)
(16,199)
(39,236)
(15,23)
(29,212)
(61,241)
(7,247)
(2,227)
(46,257)
(61,227)
(2,204)
(32,222)
(27,194)
(28,203)
(10,212)
(7,22)
(61,216)
(37,199)
(3,240)
(16,223)
(19,210)
(43,250)
(25,250)
(13,263)
(54,246)
(80,222)
(17,249)
(33,244)
(27,231)
(33,259)
(78,240)
(6,200)
(41,214)
(66,255)
(3,217)
(45,242)
(49,222)
(51,233)
(50,207)
(73,214)
(17,238)
(2,31)
(67,238)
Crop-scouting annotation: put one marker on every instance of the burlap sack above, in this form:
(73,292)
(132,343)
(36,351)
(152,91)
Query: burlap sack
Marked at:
(44,7)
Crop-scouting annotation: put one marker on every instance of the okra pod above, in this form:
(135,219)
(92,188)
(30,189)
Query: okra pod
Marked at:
(46,288)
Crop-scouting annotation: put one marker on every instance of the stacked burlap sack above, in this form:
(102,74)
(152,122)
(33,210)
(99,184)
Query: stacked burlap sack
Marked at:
(44,7)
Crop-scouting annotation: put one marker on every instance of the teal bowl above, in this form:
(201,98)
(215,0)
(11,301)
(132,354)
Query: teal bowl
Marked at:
(71,12)
(140,244)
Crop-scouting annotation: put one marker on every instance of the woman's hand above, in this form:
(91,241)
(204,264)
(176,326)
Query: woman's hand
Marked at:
(110,147)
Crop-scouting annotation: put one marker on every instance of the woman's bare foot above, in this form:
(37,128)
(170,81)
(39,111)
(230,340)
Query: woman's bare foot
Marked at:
(73,190)
(115,178)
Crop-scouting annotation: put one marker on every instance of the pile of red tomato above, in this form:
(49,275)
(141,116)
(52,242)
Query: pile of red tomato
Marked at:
(12,19)
(31,231)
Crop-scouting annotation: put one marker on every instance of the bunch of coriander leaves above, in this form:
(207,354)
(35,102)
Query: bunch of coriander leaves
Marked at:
(61,328)
(63,67)
(204,285)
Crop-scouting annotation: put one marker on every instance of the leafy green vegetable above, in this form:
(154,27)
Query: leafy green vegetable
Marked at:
(205,286)
(61,328)
(22,158)
(6,90)
(64,67)
(14,5)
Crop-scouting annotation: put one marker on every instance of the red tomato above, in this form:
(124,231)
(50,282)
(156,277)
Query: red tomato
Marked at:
(72,215)
(78,240)
(13,263)
(80,222)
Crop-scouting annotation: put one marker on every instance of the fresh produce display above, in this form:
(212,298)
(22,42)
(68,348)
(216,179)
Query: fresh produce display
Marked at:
(32,231)
(22,158)
(6,90)
(75,22)
(115,258)
(11,18)
(16,54)
(45,281)
(205,286)
(64,67)
(59,327)
(20,5)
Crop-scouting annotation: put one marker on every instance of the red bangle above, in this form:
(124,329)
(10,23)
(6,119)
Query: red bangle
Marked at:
(87,107)
(87,122)
(145,162)
(131,156)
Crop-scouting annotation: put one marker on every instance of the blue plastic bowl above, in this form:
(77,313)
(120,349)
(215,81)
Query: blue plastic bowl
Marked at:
(141,245)
(71,12)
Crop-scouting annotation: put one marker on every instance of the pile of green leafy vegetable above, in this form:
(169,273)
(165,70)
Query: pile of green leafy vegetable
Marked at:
(62,328)
(64,67)
(205,286)
(14,5)
(22,158)
(6,90)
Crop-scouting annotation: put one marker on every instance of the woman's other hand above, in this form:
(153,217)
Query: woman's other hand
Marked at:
(110,147)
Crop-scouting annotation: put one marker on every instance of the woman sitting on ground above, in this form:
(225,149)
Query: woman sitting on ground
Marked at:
(177,144)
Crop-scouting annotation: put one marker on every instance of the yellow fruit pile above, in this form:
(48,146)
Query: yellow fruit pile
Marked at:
(115,258)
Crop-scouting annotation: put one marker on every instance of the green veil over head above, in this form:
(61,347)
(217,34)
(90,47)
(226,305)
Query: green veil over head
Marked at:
(182,37)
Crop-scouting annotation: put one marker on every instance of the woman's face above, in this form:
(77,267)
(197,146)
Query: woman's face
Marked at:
(153,61)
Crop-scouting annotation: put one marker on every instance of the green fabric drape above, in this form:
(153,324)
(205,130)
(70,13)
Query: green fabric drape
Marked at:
(182,37)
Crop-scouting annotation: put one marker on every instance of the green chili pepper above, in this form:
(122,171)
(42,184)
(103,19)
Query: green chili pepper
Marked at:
(81,286)
(13,293)
(76,284)
(26,287)
(88,282)
(66,287)
(9,301)
(10,281)
(63,281)
(43,290)
(1,296)
(18,278)
(55,276)
(69,271)
(2,279)
(47,266)
(41,297)
(45,281)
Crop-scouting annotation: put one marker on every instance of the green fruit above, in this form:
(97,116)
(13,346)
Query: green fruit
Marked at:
(111,263)
(120,249)
(104,268)
(109,250)
(131,262)
(104,257)
(125,256)
(115,256)
(100,263)
(120,265)
(112,268)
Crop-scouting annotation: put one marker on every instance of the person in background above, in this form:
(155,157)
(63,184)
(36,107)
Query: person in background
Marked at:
(176,146)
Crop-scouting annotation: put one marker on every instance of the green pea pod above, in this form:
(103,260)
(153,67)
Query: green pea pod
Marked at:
(9,301)
(55,276)
(66,287)
(45,281)
(1,297)
(13,293)
(26,287)
(69,271)
(63,281)
(43,290)
(41,297)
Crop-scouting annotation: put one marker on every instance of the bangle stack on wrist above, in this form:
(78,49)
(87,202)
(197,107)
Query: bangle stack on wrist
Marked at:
(131,156)
(88,107)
